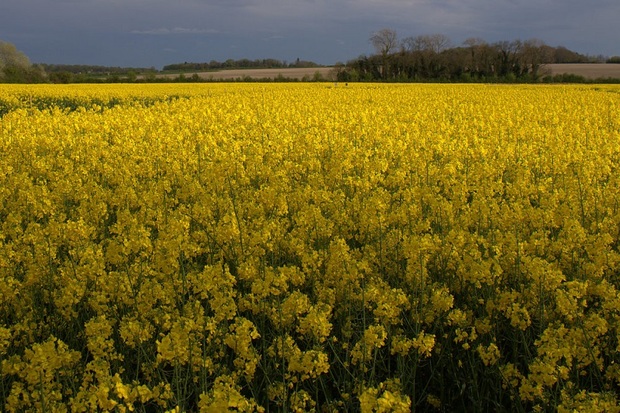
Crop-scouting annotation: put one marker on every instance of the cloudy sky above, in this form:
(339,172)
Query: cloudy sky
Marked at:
(145,33)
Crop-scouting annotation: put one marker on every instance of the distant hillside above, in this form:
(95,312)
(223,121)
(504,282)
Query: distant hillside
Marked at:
(239,64)
(589,71)
(93,70)
(306,74)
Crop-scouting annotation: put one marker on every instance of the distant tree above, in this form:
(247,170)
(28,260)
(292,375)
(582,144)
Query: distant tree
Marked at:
(61,77)
(424,53)
(436,43)
(10,56)
(456,65)
(507,57)
(476,46)
(385,41)
(132,76)
(564,55)
(535,53)
(431,58)
(15,66)
(150,77)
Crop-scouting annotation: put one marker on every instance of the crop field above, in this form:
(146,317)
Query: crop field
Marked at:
(309,247)
(587,70)
(309,73)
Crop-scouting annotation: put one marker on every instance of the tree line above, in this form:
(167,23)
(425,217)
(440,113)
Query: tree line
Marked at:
(239,64)
(433,58)
(419,58)
(15,67)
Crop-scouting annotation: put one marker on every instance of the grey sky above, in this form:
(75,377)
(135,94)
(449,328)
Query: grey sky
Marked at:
(158,32)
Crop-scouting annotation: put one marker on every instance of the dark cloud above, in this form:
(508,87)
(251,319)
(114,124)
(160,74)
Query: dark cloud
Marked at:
(158,32)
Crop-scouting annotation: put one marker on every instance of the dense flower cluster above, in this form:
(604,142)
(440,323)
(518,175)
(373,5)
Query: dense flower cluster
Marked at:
(309,247)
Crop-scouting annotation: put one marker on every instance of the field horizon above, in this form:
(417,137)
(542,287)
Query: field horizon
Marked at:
(589,71)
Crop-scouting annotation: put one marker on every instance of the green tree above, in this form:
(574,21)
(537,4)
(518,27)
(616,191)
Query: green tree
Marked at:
(15,67)
(10,56)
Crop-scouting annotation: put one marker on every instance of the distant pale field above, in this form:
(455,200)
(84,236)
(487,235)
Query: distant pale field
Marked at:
(587,70)
(293,73)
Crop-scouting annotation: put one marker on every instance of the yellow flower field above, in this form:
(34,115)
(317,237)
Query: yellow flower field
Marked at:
(309,247)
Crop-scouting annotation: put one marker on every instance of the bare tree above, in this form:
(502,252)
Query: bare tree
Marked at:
(424,50)
(508,53)
(435,43)
(438,42)
(411,44)
(535,53)
(474,42)
(479,55)
(385,42)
